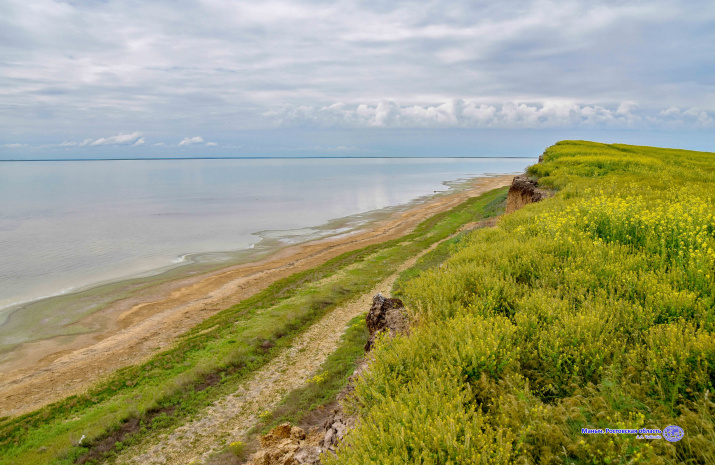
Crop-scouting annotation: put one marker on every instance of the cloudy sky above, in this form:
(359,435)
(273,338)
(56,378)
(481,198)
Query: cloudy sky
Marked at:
(283,77)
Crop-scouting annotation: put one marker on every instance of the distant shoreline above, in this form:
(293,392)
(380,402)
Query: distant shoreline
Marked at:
(132,328)
(93,296)
(96,224)
(251,158)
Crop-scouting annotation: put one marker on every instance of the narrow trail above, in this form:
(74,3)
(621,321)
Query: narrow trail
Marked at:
(231,417)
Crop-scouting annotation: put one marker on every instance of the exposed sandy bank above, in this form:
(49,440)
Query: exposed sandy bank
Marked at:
(40,372)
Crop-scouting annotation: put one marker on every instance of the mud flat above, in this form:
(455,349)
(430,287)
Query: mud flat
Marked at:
(131,329)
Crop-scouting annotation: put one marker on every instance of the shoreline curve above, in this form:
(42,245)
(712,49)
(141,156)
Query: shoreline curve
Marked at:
(134,328)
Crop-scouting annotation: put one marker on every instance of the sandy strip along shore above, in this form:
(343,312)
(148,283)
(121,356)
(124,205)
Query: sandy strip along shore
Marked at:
(133,329)
(232,416)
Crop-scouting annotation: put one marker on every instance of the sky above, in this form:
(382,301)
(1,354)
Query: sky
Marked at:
(84,79)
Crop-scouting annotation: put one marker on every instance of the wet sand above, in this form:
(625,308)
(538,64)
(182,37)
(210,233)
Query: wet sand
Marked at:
(131,330)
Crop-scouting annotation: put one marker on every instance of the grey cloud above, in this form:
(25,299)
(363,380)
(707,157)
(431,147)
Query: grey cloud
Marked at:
(214,67)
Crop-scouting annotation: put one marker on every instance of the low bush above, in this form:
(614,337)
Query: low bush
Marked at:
(593,309)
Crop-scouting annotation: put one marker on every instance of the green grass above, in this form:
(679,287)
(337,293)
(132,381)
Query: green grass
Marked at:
(211,360)
(436,257)
(592,309)
(306,404)
(321,390)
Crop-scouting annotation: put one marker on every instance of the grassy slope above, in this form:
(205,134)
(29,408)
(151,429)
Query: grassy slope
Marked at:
(334,373)
(593,309)
(212,359)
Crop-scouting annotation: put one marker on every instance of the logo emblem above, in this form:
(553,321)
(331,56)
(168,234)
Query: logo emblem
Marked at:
(673,433)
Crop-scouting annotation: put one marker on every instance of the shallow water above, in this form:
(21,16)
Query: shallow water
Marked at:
(69,224)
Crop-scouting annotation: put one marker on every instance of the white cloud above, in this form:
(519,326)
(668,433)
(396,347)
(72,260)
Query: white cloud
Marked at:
(191,140)
(699,116)
(676,118)
(470,114)
(120,139)
(15,146)
(196,140)
(387,113)
(672,111)
(134,139)
(345,148)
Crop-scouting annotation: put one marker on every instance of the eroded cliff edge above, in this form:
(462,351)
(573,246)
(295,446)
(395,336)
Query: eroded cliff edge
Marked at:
(523,191)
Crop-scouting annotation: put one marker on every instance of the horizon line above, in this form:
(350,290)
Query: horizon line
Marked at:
(232,158)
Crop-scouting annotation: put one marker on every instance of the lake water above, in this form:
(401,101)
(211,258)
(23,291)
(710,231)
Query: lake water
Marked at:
(69,224)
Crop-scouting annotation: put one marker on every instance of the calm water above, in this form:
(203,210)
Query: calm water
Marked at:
(64,225)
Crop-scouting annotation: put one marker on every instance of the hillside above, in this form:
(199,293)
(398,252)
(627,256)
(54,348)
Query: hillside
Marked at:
(592,309)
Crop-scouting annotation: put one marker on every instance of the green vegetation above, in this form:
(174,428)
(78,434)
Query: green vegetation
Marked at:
(592,309)
(322,388)
(238,449)
(307,403)
(493,208)
(213,358)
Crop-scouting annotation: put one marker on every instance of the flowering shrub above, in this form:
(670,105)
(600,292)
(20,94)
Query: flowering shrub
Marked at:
(593,309)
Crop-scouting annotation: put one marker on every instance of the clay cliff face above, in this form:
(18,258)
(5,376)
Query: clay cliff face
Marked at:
(523,191)
(384,315)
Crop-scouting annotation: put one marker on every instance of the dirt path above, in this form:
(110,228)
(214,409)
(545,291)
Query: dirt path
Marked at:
(232,416)
(134,329)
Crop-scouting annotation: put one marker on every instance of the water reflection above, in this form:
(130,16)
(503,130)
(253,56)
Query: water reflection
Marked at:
(66,224)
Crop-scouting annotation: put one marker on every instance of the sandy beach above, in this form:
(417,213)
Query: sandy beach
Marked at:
(132,329)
